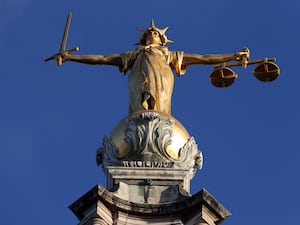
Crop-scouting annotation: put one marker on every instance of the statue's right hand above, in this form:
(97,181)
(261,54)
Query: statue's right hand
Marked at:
(64,55)
(59,60)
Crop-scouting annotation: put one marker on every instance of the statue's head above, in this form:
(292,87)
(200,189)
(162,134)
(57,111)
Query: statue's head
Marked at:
(154,35)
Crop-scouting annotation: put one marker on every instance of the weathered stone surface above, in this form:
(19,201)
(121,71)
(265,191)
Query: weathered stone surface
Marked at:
(148,185)
(99,206)
(150,139)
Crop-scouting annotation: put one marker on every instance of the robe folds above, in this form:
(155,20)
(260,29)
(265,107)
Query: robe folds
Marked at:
(151,80)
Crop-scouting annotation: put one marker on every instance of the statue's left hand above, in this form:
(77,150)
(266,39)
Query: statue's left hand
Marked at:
(245,53)
(243,56)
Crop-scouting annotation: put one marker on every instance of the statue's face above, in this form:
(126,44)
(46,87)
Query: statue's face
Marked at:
(153,37)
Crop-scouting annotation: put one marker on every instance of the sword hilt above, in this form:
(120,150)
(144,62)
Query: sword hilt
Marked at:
(58,56)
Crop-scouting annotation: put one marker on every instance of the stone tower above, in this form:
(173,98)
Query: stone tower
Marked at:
(149,160)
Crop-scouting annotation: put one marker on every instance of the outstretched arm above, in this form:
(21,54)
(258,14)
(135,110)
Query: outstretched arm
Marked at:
(112,59)
(193,59)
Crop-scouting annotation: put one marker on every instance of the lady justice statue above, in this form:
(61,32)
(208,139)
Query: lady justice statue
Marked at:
(151,79)
(150,136)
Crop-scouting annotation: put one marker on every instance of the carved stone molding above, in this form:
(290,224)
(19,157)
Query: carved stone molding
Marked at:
(99,206)
(149,137)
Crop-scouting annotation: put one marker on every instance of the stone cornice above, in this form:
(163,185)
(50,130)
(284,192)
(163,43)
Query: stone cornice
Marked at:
(202,200)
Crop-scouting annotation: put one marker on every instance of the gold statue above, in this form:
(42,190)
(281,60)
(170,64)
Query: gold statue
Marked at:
(151,63)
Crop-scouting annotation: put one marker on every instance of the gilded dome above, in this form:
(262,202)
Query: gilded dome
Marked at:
(149,128)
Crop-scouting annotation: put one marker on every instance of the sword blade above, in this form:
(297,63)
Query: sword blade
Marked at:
(66,32)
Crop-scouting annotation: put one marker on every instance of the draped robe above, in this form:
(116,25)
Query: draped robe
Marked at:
(151,79)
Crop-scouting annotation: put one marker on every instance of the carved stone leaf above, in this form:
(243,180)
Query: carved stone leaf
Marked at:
(163,137)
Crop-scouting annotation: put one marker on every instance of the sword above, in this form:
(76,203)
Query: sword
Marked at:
(58,56)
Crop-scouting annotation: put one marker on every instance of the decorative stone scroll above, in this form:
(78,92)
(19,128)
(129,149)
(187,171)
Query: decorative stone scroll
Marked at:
(150,137)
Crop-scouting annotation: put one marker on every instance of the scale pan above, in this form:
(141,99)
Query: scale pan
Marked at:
(222,77)
(266,71)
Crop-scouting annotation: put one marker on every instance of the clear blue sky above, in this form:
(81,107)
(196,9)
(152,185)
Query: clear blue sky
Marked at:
(53,119)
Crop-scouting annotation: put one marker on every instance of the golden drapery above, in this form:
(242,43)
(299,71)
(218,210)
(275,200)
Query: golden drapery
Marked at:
(151,79)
